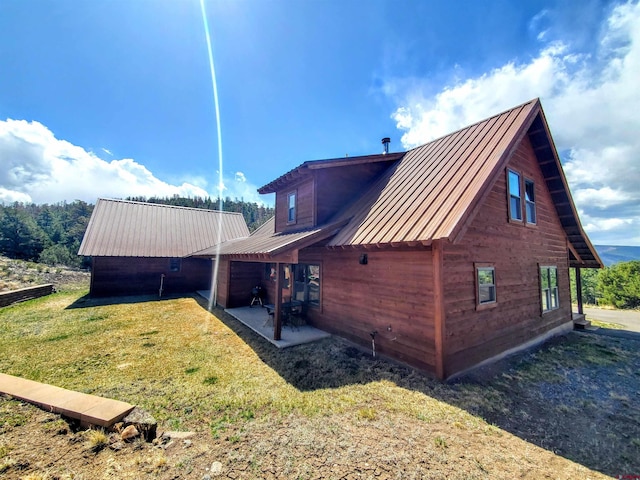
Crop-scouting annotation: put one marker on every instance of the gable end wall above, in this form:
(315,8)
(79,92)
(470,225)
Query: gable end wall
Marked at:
(516,250)
(305,214)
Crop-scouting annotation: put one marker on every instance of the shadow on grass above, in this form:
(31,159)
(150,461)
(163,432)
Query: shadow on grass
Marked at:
(576,395)
(86,301)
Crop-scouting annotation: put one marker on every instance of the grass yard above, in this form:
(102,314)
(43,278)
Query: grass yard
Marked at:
(322,410)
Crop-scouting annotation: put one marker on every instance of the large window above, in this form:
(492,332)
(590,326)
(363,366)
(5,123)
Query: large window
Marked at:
(485,284)
(307,283)
(530,199)
(549,288)
(515,196)
(291,207)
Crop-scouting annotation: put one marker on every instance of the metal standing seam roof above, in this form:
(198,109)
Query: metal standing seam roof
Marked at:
(265,242)
(122,228)
(432,191)
(427,194)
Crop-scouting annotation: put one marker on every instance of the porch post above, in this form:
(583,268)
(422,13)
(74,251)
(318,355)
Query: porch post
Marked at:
(277,311)
(579,289)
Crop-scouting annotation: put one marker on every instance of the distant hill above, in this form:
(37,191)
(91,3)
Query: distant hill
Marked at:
(611,254)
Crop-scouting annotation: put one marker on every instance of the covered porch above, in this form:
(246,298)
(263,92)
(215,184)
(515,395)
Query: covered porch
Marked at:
(257,318)
(267,262)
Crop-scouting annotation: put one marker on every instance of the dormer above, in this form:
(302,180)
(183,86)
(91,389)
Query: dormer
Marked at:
(312,193)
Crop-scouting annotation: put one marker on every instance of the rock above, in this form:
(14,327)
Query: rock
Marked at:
(178,435)
(216,468)
(116,446)
(186,443)
(143,421)
(129,433)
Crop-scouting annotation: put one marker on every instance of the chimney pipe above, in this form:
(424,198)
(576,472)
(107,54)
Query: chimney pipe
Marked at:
(385,142)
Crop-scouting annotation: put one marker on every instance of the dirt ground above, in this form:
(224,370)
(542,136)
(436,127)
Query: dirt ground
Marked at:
(577,421)
(570,409)
(15,274)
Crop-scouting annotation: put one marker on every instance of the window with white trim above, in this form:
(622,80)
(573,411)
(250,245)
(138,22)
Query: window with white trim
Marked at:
(549,288)
(515,195)
(485,285)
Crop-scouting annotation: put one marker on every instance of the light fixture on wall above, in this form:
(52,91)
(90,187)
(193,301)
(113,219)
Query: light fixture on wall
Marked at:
(364,259)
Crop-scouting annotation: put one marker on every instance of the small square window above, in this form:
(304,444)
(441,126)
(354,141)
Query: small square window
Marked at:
(486,285)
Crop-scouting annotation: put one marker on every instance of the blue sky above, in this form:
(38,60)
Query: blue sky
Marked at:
(114,98)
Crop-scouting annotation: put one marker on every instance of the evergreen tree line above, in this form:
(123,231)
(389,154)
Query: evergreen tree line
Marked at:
(617,285)
(254,214)
(52,234)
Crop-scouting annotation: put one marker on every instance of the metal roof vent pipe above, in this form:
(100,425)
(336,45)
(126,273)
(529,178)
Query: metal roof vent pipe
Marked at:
(385,145)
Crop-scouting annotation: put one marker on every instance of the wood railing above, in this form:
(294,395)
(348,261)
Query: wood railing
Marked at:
(28,293)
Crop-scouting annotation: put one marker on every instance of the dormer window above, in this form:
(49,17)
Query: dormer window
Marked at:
(291,207)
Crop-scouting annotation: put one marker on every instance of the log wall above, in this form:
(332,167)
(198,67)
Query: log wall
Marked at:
(516,250)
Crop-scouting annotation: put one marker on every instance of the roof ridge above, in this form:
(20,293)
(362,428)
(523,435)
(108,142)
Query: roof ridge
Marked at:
(151,204)
(466,127)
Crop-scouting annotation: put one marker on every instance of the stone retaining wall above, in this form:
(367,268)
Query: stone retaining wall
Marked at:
(15,296)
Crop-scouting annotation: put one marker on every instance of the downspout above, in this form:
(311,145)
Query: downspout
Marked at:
(161,285)
(373,342)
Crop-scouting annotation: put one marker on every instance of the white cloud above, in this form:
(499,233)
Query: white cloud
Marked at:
(591,101)
(37,167)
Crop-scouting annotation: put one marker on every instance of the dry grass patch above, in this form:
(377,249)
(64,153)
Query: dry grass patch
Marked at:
(325,409)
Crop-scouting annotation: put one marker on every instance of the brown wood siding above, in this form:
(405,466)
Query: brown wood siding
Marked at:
(136,275)
(341,186)
(516,250)
(243,277)
(305,216)
(222,294)
(394,289)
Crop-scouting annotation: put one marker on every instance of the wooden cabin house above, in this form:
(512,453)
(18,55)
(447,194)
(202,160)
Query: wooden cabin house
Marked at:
(143,248)
(447,255)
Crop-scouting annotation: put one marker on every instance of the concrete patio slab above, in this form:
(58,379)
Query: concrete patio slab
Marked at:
(88,409)
(257,319)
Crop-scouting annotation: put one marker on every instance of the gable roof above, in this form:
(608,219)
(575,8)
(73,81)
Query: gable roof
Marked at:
(427,194)
(434,191)
(124,228)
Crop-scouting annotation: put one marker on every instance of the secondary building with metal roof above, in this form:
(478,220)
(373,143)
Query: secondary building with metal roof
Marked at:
(142,248)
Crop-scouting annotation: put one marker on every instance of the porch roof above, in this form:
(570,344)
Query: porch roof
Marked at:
(266,244)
